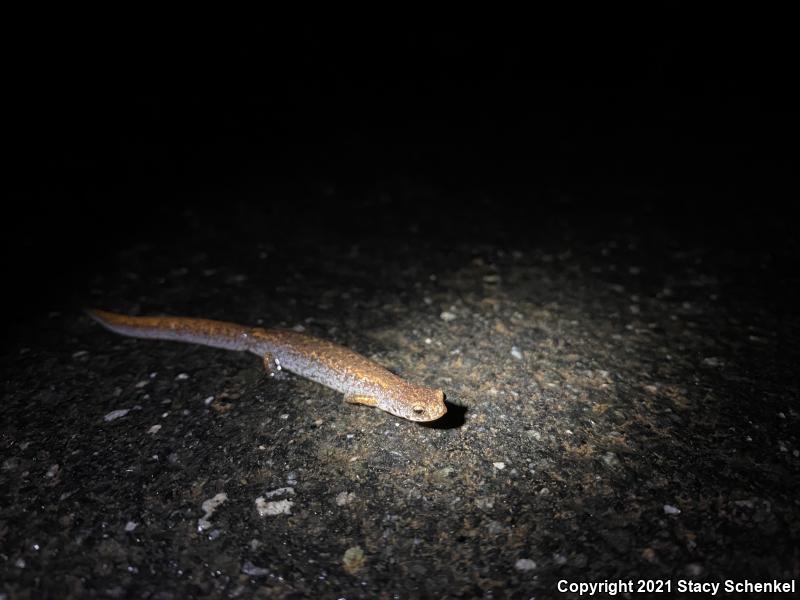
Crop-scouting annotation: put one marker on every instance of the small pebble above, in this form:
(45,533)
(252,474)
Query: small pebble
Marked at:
(209,506)
(284,491)
(353,560)
(277,507)
(524,564)
(671,510)
(447,316)
(611,459)
(252,570)
(344,498)
(116,414)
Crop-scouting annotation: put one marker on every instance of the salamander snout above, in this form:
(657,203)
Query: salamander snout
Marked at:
(425,404)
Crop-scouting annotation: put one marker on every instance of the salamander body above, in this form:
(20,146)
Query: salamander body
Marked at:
(361,380)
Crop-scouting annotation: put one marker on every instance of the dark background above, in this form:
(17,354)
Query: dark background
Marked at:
(130,133)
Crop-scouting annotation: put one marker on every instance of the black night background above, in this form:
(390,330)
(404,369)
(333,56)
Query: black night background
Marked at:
(584,236)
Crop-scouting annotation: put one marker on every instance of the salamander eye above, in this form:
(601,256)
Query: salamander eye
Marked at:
(418,409)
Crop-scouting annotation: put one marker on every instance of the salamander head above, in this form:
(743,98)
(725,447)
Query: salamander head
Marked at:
(416,403)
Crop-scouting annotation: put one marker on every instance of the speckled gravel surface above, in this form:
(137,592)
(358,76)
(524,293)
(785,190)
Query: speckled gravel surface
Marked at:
(622,406)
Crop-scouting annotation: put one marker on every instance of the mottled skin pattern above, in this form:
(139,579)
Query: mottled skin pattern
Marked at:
(360,379)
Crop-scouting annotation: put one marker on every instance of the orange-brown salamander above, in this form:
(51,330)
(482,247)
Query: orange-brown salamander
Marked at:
(361,380)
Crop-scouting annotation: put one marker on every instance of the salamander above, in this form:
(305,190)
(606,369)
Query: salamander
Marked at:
(361,380)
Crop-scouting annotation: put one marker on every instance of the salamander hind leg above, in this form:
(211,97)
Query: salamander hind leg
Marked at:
(272,365)
(361,399)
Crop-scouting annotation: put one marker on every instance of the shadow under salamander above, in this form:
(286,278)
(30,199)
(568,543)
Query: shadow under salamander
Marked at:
(453,418)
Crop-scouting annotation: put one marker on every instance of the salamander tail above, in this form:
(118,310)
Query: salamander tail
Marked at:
(218,334)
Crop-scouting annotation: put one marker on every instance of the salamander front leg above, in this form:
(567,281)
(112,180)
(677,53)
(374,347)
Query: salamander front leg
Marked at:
(271,364)
(360,399)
